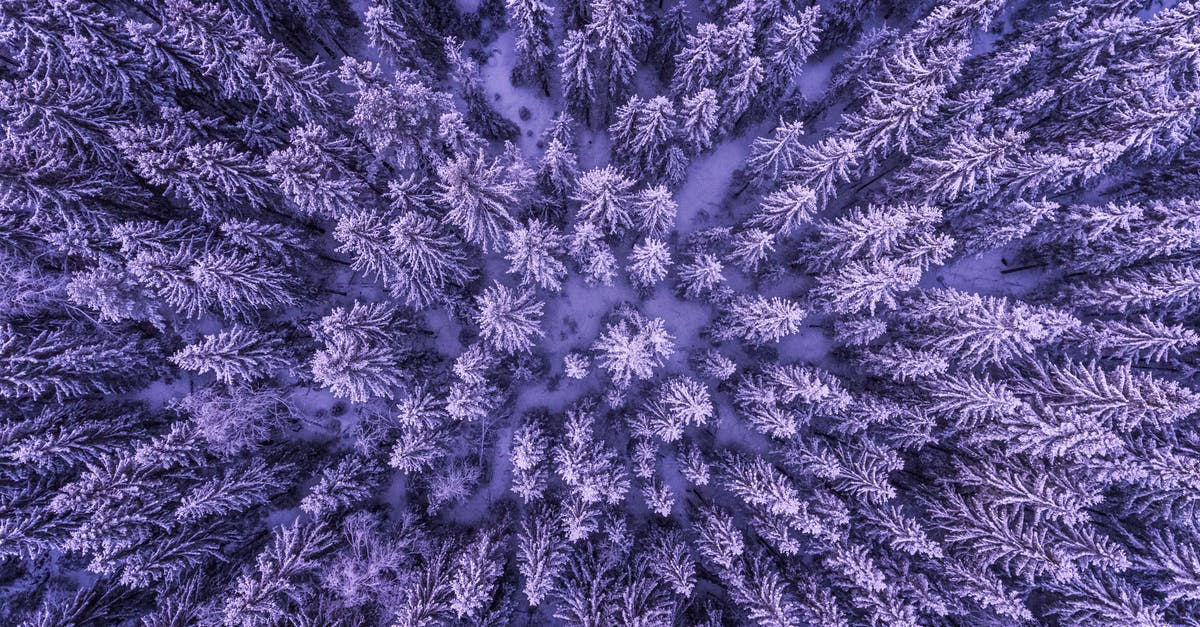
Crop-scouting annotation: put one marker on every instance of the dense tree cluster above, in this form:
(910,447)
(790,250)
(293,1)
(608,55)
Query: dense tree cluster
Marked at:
(774,312)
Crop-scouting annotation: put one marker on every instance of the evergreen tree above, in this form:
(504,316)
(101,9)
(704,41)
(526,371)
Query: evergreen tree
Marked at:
(239,283)
(263,594)
(533,251)
(480,199)
(982,330)
(1168,290)
(363,234)
(617,32)
(589,468)
(530,20)
(699,63)
(649,263)
(718,539)
(740,91)
(239,354)
(529,452)
(559,166)
(595,258)
(822,166)
(860,285)
(751,247)
(1139,340)
(577,73)
(901,100)
(967,162)
(285,81)
(790,43)
(771,157)
(606,199)
(115,294)
(643,133)
(670,36)
(785,210)
(759,320)
(698,120)
(389,36)
(350,482)
(509,320)
(871,234)
(540,555)
(230,493)
(1118,398)
(475,575)
(361,352)
(314,173)
(655,210)
(632,346)
(397,119)
(65,361)
(703,275)
(430,264)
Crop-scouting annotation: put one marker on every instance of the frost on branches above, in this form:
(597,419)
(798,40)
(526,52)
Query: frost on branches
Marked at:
(599,312)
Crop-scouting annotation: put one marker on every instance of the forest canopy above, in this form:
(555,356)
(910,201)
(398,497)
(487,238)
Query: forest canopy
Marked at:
(599,312)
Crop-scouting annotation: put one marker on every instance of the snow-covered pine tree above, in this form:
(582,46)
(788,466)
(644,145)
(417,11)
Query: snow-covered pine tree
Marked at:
(533,254)
(790,42)
(530,21)
(822,166)
(740,91)
(238,354)
(750,248)
(632,346)
(697,66)
(785,210)
(264,594)
(314,173)
(698,120)
(388,34)
(590,468)
(981,330)
(577,74)
(595,258)
(642,133)
(540,554)
(670,36)
(770,157)
(869,234)
(480,198)
(65,360)
(362,352)
(239,283)
(759,320)
(655,211)
(967,162)
(617,32)
(701,276)
(865,285)
(606,199)
(530,451)
(430,264)
(649,262)
(351,482)
(718,539)
(475,576)
(911,85)
(509,320)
